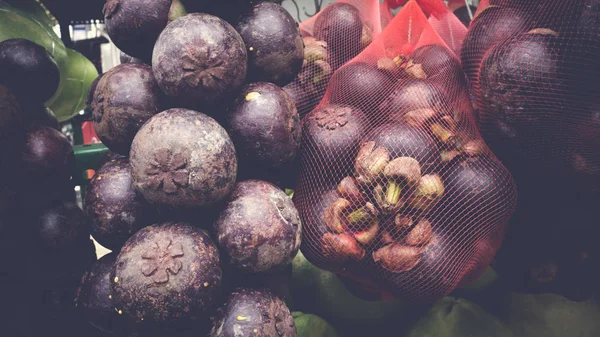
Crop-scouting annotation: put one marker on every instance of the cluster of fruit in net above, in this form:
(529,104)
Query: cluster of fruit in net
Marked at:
(397,189)
(332,37)
(534,71)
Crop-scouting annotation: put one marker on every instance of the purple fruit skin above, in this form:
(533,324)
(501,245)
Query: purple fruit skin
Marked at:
(264,314)
(45,163)
(332,145)
(259,230)
(93,298)
(412,95)
(200,60)
(134,25)
(28,69)
(360,85)
(489,28)
(441,66)
(183,158)
(264,106)
(124,99)
(165,273)
(90,96)
(62,225)
(340,25)
(11,115)
(402,140)
(274,43)
(113,204)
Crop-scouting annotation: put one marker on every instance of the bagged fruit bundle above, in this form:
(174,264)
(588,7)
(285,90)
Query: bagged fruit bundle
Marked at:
(334,36)
(534,70)
(397,189)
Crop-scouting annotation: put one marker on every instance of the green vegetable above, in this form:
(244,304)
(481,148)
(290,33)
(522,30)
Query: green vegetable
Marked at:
(78,77)
(308,325)
(548,315)
(324,294)
(452,317)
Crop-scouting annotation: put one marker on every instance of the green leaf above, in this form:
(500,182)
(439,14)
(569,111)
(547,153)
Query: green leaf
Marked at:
(79,75)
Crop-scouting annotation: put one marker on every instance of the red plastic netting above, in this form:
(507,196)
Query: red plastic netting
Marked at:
(535,73)
(334,36)
(397,189)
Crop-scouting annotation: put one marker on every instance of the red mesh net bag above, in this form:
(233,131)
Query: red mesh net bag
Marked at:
(334,36)
(535,73)
(397,189)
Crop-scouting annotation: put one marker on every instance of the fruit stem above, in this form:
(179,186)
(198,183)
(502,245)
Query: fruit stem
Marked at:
(392,194)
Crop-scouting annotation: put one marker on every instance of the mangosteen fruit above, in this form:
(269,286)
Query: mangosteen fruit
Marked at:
(253,312)
(115,207)
(46,162)
(341,27)
(40,115)
(273,42)
(415,95)
(479,186)
(134,25)
(62,225)
(309,87)
(183,158)
(438,64)
(331,136)
(360,85)
(265,128)
(166,273)
(259,230)
(124,99)
(491,26)
(93,299)
(92,91)
(11,115)
(522,97)
(28,69)
(200,60)
(403,140)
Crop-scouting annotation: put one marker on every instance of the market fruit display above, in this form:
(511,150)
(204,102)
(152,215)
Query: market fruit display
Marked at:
(260,177)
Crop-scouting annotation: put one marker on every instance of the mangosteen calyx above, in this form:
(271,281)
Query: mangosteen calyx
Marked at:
(397,257)
(334,213)
(341,248)
(348,189)
(196,71)
(314,50)
(420,235)
(168,171)
(370,162)
(429,191)
(399,174)
(415,70)
(419,117)
(162,259)
(443,133)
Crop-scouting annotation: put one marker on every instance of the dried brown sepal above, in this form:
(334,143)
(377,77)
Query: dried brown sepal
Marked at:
(429,191)
(397,258)
(367,235)
(420,235)
(475,148)
(400,60)
(314,50)
(403,170)
(442,133)
(370,162)
(403,222)
(419,117)
(335,213)
(386,237)
(387,64)
(415,70)
(341,248)
(348,189)
(323,72)
(447,156)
